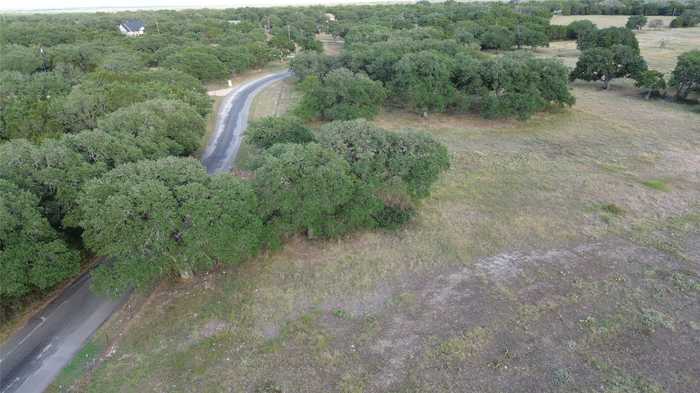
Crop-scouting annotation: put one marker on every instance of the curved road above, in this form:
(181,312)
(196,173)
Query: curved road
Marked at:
(34,355)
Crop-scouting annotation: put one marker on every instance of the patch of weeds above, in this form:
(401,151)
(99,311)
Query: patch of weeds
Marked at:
(501,362)
(80,363)
(268,387)
(340,313)
(651,319)
(350,383)
(621,383)
(610,211)
(461,347)
(303,331)
(405,299)
(617,381)
(602,328)
(656,184)
(561,376)
(684,282)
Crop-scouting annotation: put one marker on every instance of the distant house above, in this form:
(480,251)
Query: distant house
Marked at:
(132,27)
(329,17)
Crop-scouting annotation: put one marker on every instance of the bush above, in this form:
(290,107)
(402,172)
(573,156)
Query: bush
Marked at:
(311,63)
(303,188)
(496,37)
(268,131)
(652,82)
(380,158)
(341,95)
(686,76)
(689,18)
(636,22)
(579,28)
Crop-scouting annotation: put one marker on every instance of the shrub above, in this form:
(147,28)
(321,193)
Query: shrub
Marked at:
(579,28)
(311,63)
(686,76)
(380,157)
(304,188)
(652,82)
(636,22)
(268,131)
(497,37)
(341,95)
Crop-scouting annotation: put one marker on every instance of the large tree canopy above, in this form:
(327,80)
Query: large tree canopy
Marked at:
(159,127)
(423,81)
(32,255)
(156,217)
(603,64)
(341,95)
(686,76)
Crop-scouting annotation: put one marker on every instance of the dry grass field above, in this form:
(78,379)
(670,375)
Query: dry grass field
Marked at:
(561,254)
(660,47)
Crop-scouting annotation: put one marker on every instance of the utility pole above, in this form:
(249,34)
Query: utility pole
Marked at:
(289,33)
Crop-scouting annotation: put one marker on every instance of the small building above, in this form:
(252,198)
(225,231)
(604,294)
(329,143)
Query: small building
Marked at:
(132,28)
(329,17)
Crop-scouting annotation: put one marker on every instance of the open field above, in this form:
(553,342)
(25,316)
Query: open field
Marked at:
(659,47)
(603,21)
(560,254)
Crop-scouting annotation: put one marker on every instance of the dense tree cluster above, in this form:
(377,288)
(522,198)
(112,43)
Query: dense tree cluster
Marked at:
(450,79)
(341,95)
(618,7)
(356,175)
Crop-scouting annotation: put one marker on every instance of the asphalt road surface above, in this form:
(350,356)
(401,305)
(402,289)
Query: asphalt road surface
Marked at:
(34,355)
(232,122)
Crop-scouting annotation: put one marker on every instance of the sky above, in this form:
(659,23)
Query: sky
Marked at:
(141,4)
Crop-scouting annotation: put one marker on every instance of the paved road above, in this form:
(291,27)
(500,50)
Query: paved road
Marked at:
(232,122)
(31,359)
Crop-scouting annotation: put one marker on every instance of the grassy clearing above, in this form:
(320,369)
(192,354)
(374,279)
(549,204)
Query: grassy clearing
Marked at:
(540,263)
(659,47)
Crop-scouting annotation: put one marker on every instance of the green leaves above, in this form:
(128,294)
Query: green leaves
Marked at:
(341,95)
(686,75)
(268,131)
(32,256)
(605,64)
(301,187)
(157,217)
(423,81)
